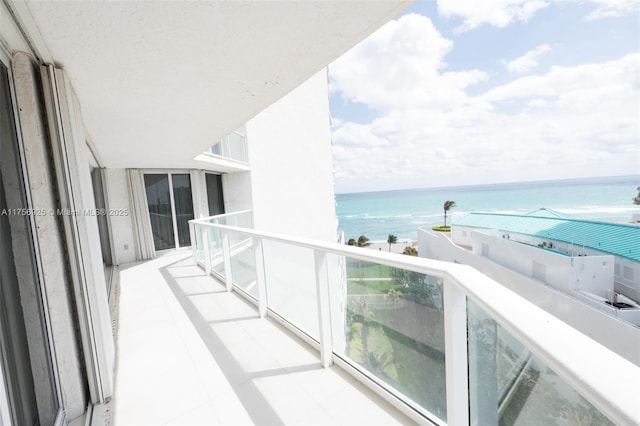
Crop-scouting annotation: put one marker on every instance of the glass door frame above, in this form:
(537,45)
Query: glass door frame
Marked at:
(174,216)
(6,416)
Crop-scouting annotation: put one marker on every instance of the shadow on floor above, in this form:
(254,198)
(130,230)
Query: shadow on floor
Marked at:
(240,380)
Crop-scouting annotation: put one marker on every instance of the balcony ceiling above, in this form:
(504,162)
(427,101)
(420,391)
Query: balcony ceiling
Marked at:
(161,81)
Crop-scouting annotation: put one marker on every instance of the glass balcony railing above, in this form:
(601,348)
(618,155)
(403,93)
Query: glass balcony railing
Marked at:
(226,253)
(233,146)
(508,385)
(442,341)
(394,330)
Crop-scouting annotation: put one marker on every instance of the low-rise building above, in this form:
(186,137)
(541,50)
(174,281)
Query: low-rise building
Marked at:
(585,272)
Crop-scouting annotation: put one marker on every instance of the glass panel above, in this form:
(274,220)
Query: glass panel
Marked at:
(199,230)
(291,285)
(237,147)
(241,250)
(243,263)
(509,386)
(233,146)
(215,251)
(240,220)
(184,206)
(214,194)
(394,329)
(159,201)
(216,149)
(101,208)
(13,336)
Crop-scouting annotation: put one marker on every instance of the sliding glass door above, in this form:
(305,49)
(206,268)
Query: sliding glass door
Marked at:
(159,201)
(215,198)
(183,207)
(170,208)
(28,394)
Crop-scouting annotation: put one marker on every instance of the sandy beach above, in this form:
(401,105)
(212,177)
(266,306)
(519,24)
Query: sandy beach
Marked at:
(395,248)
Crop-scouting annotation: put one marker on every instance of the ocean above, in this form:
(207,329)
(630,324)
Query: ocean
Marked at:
(401,212)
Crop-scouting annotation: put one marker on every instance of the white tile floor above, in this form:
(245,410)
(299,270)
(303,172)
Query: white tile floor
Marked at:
(189,353)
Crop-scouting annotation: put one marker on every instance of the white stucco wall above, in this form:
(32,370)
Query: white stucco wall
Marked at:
(626,271)
(117,199)
(590,273)
(628,278)
(616,335)
(9,34)
(199,194)
(289,187)
(595,274)
(461,235)
(291,161)
(236,188)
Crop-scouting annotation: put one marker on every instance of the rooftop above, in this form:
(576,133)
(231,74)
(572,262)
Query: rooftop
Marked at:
(618,239)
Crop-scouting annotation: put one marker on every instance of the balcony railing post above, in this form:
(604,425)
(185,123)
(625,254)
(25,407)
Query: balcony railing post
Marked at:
(205,246)
(194,243)
(456,353)
(324,309)
(226,255)
(261,283)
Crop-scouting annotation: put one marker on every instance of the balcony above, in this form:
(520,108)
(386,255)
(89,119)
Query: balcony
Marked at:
(274,329)
(189,352)
(230,153)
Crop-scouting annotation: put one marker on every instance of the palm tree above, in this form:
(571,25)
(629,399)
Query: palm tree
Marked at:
(636,199)
(351,242)
(363,241)
(447,206)
(391,239)
(361,311)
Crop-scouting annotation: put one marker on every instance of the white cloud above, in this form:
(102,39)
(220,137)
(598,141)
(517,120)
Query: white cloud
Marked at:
(611,8)
(568,122)
(528,61)
(606,78)
(399,67)
(498,13)
(538,103)
(353,134)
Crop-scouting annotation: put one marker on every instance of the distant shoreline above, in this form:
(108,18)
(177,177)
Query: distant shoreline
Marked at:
(500,185)
(398,247)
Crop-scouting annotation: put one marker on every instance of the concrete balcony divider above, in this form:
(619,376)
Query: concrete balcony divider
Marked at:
(388,318)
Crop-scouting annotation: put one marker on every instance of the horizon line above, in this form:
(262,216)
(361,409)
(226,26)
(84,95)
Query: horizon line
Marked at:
(488,184)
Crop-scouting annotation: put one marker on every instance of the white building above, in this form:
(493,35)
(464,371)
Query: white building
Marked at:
(108,112)
(584,272)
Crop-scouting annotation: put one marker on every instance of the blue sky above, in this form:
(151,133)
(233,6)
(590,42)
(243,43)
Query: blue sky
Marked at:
(462,92)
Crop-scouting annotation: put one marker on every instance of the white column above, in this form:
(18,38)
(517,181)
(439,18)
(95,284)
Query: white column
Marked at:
(456,358)
(260,278)
(194,242)
(226,255)
(205,249)
(324,309)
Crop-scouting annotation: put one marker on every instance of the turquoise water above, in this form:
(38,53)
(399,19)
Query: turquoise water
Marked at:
(378,214)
